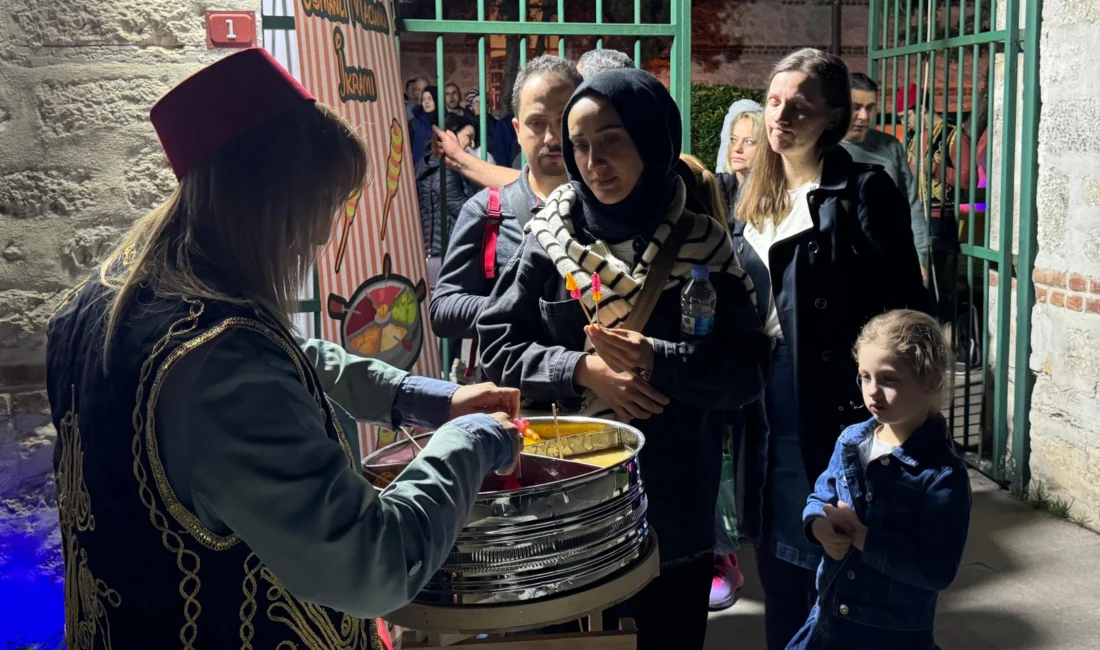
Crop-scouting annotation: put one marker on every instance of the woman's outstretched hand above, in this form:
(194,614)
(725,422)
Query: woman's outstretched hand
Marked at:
(484,398)
(622,350)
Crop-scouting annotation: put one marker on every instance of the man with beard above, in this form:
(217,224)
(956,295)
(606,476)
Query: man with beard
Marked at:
(868,145)
(495,217)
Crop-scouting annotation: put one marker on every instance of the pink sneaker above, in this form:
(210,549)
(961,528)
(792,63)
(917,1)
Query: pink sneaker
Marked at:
(727,580)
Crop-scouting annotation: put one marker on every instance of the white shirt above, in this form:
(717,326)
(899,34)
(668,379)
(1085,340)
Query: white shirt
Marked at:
(797,221)
(871,449)
(620,256)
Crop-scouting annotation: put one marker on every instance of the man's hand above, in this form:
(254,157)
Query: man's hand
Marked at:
(445,145)
(623,350)
(844,519)
(505,421)
(484,398)
(629,395)
(835,543)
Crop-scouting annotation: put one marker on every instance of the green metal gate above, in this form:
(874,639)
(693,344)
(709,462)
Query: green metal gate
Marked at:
(948,51)
(545,19)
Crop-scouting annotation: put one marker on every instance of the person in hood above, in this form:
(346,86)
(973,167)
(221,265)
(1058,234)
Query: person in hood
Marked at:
(625,201)
(457,190)
(425,118)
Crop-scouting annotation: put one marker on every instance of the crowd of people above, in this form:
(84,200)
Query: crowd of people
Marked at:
(197,432)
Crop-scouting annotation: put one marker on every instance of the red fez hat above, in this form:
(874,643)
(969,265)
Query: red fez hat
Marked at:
(905,100)
(220,102)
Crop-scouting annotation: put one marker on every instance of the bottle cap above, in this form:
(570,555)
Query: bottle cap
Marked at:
(700,272)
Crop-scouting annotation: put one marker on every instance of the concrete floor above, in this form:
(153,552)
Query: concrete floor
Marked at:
(1028,582)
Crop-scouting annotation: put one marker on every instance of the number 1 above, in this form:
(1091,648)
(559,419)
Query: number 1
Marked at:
(231,36)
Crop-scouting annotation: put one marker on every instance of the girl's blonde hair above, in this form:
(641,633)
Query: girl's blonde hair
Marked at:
(918,340)
(245,225)
(765,195)
(756,118)
(710,190)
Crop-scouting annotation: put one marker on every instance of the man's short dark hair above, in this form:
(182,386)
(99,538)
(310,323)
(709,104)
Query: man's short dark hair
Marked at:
(593,62)
(456,86)
(455,122)
(544,65)
(410,83)
(861,81)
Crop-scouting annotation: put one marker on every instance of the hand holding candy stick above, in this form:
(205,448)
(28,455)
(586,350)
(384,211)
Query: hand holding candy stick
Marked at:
(575,294)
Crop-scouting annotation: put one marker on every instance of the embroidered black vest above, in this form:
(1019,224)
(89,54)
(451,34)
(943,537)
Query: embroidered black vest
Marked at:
(141,570)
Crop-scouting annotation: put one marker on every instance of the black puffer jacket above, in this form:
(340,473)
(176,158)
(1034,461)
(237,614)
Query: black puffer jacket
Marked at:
(427,190)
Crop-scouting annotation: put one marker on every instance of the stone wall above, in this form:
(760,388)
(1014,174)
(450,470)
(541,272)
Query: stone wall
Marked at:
(1065,412)
(78,163)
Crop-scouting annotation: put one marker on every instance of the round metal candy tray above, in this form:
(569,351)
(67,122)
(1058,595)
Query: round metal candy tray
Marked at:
(568,527)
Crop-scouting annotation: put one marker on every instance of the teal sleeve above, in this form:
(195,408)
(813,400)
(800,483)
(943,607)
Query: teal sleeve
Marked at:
(245,446)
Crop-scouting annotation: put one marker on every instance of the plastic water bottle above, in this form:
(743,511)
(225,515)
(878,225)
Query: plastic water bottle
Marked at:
(698,301)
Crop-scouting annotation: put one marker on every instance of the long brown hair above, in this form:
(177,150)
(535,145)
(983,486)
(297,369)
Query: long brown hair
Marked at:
(710,192)
(245,225)
(765,195)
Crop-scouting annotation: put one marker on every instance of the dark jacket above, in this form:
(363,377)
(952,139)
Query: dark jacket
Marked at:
(730,187)
(504,144)
(427,190)
(828,281)
(462,290)
(917,528)
(421,133)
(532,337)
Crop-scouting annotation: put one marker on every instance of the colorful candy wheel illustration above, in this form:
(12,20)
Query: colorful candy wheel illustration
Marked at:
(382,319)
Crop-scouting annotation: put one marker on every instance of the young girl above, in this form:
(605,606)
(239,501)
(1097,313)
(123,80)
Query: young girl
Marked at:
(893,508)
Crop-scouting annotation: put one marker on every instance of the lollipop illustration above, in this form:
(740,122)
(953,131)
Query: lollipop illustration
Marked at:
(393,170)
(351,207)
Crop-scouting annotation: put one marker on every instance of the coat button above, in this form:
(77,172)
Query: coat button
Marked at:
(885,460)
(812,247)
(820,303)
(840,408)
(843,610)
(415,569)
(825,356)
(868,497)
(851,574)
(741,247)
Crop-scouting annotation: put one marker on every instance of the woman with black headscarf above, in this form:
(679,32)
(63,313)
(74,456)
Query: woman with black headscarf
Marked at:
(427,116)
(623,206)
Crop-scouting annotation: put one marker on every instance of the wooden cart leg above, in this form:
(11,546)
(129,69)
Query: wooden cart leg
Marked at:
(595,621)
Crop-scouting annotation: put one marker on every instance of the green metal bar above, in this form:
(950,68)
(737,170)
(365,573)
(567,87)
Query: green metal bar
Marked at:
(872,47)
(1004,264)
(941,44)
(561,35)
(684,65)
(599,21)
(1025,289)
(674,53)
(278,22)
(636,27)
(979,252)
(483,91)
(444,344)
(972,222)
(894,60)
(309,305)
(509,28)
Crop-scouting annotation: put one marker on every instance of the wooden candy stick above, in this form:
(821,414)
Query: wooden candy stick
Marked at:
(557,432)
(597,293)
(575,294)
(409,435)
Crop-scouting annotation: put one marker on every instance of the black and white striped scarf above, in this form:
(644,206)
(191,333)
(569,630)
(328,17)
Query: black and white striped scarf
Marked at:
(708,245)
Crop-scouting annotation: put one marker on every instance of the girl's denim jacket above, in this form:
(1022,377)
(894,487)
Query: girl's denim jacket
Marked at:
(915,503)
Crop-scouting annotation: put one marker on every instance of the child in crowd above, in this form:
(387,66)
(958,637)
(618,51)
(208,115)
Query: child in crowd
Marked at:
(892,511)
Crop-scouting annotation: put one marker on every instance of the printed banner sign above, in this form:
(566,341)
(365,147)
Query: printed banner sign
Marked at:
(373,275)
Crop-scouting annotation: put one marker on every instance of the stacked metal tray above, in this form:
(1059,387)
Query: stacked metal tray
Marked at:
(572,528)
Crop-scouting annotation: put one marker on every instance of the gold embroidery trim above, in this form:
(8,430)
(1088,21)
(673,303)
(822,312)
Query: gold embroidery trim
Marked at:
(313,624)
(85,613)
(186,560)
(179,512)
